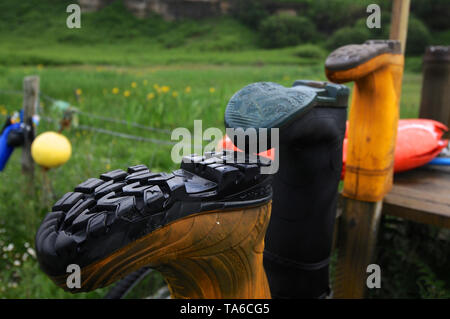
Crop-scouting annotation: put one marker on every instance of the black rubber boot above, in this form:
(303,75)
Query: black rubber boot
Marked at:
(299,237)
(202,226)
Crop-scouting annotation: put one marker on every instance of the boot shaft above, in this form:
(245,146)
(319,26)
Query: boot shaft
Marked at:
(376,67)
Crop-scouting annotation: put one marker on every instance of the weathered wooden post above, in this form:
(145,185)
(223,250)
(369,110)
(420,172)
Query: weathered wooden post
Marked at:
(399,22)
(435,102)
(30,102)
(377,69)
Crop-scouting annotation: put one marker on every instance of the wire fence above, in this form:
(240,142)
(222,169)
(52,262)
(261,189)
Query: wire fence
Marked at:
(15,92)
(114,133)
(104,119)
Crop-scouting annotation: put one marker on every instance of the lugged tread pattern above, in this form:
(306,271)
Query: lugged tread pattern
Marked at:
(67,201)
(132,203)
(116,175)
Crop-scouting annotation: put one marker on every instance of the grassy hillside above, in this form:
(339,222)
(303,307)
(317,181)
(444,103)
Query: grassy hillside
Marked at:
(34,32)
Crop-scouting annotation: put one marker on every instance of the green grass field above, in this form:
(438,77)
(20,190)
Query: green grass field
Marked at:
(119,65)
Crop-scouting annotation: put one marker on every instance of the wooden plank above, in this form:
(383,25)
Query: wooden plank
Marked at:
(426,196)
(421,195)
(30,102)
(401,210)
(358,228)
(399,21)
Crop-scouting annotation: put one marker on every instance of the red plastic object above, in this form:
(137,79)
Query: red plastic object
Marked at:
(418,142)
(227,144)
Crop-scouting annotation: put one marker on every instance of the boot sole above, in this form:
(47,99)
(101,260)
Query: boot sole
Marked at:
(353,55)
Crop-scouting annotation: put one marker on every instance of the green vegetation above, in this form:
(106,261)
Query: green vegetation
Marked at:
(421,260)
(34,32)
(165,75)
(285,30)
(418,37)
(347,35)
(37,34)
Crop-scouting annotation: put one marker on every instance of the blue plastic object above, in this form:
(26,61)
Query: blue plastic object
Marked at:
(441,161)
(5,149)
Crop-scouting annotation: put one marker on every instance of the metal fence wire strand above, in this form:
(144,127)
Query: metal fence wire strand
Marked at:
(105,119)
(110,119)
(123,122)
(14,92)
(114,133)
(124,135)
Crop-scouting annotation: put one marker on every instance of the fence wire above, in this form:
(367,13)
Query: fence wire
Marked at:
(114,133)
(110,119)
(14,92)
(123,122)
(105,119)
(124,135)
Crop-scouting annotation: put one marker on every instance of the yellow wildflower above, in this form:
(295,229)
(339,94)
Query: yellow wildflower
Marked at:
(133,85)
(115,91)
(156,86)
(175,94)
(212,90)
(40,66)
(108,166)
(165,89)
(126,93)
(78,92)
(187,89)
(150,96)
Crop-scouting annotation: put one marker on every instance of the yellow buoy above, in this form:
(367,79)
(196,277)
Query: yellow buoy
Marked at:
(51,149)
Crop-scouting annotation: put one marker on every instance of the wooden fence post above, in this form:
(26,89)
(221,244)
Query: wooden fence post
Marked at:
(399,22)
(30,102)
(435,102)
(358,229)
